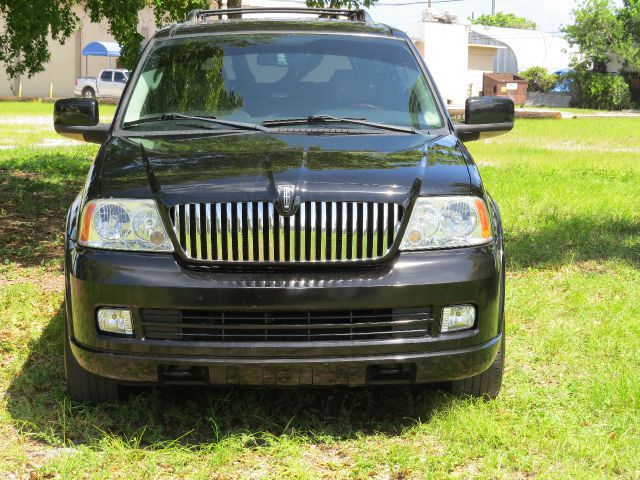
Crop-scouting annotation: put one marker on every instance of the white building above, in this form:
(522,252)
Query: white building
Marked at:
(524,48)
(458,54)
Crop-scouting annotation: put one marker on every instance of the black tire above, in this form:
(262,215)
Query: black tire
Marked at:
(486,384)
(84,386)
(87,92)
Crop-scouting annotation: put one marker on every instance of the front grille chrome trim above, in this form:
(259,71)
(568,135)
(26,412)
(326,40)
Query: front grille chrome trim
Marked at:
(254,232)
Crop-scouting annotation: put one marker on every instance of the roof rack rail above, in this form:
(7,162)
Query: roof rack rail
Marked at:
(354,15)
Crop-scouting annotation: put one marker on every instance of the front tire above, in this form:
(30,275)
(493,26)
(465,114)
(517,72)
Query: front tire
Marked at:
(82,385)
(485,385)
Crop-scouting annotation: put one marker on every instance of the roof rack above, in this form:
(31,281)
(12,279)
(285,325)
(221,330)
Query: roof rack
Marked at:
(353,15)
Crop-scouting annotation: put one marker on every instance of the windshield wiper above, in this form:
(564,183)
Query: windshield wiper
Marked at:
(332,119)
(178,116)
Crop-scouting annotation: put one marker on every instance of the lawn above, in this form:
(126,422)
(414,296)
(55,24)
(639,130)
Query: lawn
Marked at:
(569,192)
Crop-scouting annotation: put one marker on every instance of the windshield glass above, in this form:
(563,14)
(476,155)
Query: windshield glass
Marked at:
(268,77)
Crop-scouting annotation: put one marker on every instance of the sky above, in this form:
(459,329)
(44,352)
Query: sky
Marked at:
(550,15)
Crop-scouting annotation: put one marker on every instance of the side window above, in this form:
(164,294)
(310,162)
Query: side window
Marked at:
(106,76)
(119,77)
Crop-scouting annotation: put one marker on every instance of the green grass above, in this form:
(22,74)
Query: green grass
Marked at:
(577,111)
(569,193)
(9,109)
(31,123)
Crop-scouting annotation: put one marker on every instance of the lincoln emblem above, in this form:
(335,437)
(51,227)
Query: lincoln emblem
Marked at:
(285,202)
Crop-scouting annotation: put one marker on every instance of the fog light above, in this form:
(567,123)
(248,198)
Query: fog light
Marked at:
(115,320)
(457,317)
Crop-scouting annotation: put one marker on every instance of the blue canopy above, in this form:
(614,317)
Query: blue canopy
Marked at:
(101,49)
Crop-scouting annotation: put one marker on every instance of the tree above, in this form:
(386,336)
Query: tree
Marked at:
(598,33)
(505,20)
(540,80)
(29,25)
(602,31)
(629,48)
(351,4)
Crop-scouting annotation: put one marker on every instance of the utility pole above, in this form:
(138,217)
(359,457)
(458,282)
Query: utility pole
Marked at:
(493,7)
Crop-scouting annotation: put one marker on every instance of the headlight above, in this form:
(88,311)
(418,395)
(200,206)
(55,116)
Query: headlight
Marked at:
(123,225)
(444,222)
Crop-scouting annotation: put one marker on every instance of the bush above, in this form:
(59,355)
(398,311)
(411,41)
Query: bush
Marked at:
(540,80)
(601,91)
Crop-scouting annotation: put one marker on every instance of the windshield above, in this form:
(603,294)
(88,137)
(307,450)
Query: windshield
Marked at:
(258,78)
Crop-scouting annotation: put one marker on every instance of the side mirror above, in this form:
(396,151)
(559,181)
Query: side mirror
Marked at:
(77,118)
(486,117)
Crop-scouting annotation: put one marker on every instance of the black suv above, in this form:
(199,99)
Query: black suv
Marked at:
(283,202)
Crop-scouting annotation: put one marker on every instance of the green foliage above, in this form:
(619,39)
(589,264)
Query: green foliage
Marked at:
(629,49)
(352,4)
(24,41)
(505,20)
(540,80)
(597,32)
(186,85)
(602,31)
(599,90)
(24,37)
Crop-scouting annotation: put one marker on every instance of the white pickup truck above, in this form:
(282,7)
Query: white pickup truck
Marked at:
(110,83)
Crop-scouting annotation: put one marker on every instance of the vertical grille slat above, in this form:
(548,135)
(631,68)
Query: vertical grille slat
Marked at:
(333,237)
(392,219)
(229,232)
(181,231)
(384,231)
(323,231)
(375,251)
(197,245)
(354,231)
(187,227)
(312,232)
(287,239)
(268,232)
(254,232)
(247,214)
(218,224)
(300,235)
(318,231)
(343,232)
(206,208)
(363,231)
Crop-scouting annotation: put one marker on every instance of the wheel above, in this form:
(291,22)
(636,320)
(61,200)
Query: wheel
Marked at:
(87,92)
(486,384)
(84,386)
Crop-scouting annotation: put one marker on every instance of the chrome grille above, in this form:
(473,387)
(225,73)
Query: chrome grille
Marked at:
(255,232)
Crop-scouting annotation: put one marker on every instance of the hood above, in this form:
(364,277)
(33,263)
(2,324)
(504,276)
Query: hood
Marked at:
(248,166)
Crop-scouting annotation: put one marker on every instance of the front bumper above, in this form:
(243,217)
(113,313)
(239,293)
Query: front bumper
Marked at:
(313,371)
(136,280)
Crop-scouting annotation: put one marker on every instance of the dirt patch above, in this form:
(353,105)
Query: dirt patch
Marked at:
(49,279)
(32,217)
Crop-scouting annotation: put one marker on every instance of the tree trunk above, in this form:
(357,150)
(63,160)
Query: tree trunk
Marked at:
(234,4)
